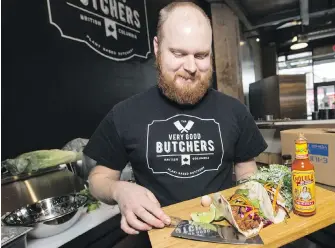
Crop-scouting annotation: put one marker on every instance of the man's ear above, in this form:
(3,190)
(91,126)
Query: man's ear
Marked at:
(156,45)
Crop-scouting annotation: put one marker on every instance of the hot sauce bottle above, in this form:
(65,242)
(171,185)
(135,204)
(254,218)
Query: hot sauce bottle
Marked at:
(303,180)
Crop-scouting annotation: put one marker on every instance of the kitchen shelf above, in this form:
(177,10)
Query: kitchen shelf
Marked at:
(295,122)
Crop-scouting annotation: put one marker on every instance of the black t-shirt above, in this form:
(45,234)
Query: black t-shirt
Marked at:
(177,152)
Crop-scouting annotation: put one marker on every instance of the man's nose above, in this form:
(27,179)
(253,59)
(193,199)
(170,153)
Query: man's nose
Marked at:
(189,64)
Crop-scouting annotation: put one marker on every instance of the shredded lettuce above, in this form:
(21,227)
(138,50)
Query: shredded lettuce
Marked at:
(244,192)
(255,203)
(92,203)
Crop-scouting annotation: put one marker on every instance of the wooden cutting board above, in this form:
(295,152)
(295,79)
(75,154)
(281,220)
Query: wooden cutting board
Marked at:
(273,235)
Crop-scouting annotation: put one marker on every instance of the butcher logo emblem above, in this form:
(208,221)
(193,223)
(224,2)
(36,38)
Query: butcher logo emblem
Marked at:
(184,146)
(115,29)
(185,129)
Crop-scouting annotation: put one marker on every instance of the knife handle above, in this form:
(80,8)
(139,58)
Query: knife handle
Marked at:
(174,221)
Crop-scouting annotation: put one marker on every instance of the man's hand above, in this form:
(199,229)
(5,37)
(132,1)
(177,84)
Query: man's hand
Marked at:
(139,208)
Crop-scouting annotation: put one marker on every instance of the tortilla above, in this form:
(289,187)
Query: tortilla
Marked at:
(257,191)
(270,213)
(222,204)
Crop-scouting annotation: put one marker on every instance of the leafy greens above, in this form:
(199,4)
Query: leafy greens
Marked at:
(276,173)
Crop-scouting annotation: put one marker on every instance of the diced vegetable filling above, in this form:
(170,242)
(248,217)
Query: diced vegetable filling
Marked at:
(245,217)
(245,212)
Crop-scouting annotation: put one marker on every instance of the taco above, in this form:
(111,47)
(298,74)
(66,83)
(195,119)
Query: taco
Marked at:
(276,203)
(276,179)
(245,208)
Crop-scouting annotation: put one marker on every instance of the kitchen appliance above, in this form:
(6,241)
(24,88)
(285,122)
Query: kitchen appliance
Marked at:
(283,96)
(48,217)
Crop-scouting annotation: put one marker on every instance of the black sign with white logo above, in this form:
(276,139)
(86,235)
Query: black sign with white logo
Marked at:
(184,146)
(116,29)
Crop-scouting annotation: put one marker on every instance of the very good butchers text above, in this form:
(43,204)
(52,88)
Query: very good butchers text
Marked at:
(116,9)
(185,143)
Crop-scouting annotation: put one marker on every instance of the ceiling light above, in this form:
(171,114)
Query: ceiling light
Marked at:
(257,39)
(241,43)
(299,42)
(298,46)
(289,24)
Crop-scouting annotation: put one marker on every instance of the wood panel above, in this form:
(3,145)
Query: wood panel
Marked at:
(226,48)
(292,96)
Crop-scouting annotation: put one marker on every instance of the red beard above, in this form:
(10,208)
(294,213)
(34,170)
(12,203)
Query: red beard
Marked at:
(190,93)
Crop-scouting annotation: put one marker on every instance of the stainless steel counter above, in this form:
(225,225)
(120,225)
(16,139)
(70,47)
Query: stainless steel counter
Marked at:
(296,123)
(18,194)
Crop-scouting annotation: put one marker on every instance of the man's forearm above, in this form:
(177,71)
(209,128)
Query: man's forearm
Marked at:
(245,169)
(103,188)
(245,175)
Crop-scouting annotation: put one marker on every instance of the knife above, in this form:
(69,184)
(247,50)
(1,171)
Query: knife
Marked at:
(208,232)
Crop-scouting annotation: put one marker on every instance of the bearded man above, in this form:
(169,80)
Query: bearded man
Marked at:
(182,137)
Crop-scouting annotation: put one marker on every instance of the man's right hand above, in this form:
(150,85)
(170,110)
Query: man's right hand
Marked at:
(139,208)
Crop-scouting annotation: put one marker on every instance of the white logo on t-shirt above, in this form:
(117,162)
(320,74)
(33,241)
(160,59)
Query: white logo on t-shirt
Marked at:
(184,146)
(182,129)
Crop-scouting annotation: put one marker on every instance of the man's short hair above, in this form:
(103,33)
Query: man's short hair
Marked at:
(168,9)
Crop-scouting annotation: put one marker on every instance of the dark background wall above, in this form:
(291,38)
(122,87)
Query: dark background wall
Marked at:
(55,89)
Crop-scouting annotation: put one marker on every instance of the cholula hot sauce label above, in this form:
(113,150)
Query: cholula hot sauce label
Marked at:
(303,184)
(301,150)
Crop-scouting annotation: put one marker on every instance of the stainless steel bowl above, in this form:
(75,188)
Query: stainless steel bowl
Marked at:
(50,216)
(55,226)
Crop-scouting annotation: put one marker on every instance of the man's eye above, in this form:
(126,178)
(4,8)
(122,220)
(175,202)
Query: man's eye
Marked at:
(201,56)
(178,55)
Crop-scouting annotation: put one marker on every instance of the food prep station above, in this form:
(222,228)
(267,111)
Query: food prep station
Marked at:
(46,208)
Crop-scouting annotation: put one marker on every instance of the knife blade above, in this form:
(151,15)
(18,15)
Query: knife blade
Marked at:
(214,233)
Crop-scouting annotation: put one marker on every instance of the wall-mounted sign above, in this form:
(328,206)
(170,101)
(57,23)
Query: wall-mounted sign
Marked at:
(115,29)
